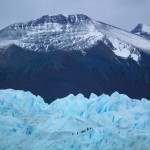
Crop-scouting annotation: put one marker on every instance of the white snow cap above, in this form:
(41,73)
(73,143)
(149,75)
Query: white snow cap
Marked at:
(73,32)
(146,28)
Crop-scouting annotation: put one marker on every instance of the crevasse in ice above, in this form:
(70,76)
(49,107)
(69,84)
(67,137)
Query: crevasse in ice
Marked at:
(103,122)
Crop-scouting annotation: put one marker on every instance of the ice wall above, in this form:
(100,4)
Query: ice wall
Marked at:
(103,122)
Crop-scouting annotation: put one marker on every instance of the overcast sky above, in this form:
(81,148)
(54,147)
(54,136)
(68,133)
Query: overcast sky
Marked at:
(125,14)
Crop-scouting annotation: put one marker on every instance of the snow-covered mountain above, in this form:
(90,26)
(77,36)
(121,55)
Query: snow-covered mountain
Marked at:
(73,32)
(73,123)
(73,54)
(142,30)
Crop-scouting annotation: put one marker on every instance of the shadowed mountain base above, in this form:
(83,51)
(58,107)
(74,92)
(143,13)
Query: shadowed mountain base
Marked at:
(56,74)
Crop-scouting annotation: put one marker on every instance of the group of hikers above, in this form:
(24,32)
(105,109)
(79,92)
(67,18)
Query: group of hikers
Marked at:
(87,129)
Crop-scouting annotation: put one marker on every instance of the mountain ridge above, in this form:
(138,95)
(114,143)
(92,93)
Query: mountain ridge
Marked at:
(72,32)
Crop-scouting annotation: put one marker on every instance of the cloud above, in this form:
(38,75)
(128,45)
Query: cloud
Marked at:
(121,13)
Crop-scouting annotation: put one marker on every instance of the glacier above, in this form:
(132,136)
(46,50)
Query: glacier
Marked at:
(103,122)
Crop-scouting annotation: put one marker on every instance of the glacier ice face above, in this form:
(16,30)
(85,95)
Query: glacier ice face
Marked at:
(74,122)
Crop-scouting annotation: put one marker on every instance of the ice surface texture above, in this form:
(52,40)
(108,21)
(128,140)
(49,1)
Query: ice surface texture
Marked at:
(75,122)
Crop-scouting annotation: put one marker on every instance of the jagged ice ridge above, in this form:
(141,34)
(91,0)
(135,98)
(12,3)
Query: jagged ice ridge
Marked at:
(74,122)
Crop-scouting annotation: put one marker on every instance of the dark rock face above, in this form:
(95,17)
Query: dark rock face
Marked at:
(56,74)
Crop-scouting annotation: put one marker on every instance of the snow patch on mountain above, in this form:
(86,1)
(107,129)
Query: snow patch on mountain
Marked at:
(146,28)
(125,43)
(74,122)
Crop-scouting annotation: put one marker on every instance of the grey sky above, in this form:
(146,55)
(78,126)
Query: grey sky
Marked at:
(121,13)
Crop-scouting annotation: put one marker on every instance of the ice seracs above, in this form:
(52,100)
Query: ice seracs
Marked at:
(75,122)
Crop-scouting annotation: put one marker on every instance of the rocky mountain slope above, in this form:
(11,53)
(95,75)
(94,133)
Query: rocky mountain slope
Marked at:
(73,54)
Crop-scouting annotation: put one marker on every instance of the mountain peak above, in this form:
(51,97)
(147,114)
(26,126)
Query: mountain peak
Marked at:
(142,30)
(67,32)
(64,19)
(61,19)
(74,32)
